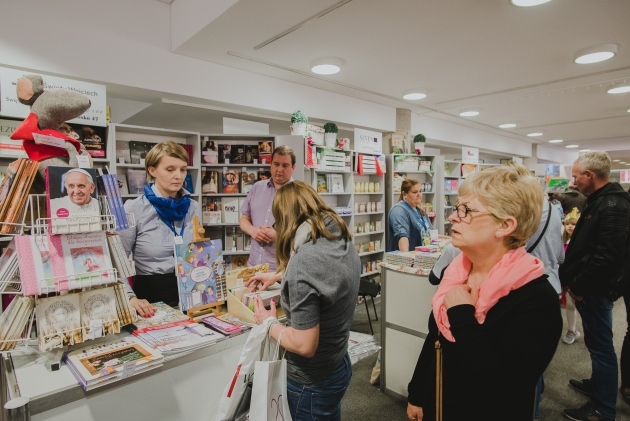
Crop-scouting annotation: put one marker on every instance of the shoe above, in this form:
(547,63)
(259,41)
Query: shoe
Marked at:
(625,394)
(586,413)
(570,337)
(582,386)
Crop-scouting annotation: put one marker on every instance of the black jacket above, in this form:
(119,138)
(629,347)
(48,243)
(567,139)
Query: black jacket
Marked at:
(491,370)
(600,246)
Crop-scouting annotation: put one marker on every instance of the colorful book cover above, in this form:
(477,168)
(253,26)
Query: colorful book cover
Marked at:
(92,137)
(209,152)
(251,154)
(200,273)
(225,153)
(264,158)
(82,259)
(230,181)
(265,147)
(556,184)
(238,154)
(322,186)
(136,180)
(164,315)
(59,321)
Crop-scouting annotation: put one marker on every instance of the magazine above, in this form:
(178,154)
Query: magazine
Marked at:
(59,321)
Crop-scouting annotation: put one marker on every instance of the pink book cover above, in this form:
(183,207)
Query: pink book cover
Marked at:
(36,272)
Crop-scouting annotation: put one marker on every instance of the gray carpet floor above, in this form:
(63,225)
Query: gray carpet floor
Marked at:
(366,402)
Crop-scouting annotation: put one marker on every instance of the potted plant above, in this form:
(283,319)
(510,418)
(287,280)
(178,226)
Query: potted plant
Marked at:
(418,143)
(298,123)
(330,134)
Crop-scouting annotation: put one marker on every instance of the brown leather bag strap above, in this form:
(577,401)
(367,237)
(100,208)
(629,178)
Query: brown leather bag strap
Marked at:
(438,380)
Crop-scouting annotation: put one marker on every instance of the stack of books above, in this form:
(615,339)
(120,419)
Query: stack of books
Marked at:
(222,326)
(178,338)
(109,361)
(14,189)
(14,322)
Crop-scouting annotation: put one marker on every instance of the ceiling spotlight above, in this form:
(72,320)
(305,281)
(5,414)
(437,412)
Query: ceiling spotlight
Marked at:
(528,3)
(415,93)
(584,150)
(326,66)
(535,134)
(469,113)
(572,146)
(556,141)
(616,160)
(619,90)
(507,125)
(595,54)
(629,110)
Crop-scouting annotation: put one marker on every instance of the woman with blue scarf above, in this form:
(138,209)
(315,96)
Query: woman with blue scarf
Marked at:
(163,217)
(407,223)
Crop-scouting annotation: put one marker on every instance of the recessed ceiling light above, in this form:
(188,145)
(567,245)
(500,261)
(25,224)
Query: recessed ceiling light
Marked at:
(528,3)
(326,66)
(572,146)
(470,113)
(619,90)
(535,134)
(584,150)
(595,54)
(629,110)
(556,141)
(616,160)
(415,93)
(507,125)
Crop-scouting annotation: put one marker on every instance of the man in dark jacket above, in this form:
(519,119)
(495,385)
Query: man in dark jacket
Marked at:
(598,250)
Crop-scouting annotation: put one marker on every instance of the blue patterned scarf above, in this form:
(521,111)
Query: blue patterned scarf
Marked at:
(168,208)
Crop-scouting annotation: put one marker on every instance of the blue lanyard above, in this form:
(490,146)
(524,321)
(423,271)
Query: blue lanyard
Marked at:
(172,227)
(417,215)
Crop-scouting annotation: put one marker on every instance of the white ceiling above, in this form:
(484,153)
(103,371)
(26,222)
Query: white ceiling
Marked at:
(515,64)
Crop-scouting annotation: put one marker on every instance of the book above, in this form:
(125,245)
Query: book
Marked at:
(230,181)
(98,313)
(209,181)
(222,326)
(200,273)
(138,151)
(225,153)
(251,154)
(121,178)
(15,321)
(36,272)
(468,169)
(265,147)
(264,158)
(190,151)
(93,138)
(556,184)
(8,264)
(13,205)
(119,259)
(336,183)
(72,200)
(59,321)
(164,315)
(180,339)
(230,209)
(103,362)
(238,154)
(397,181)
(188,184)
(83,260)
(115,200)
(248,179)
(209,152)
(127,313)
(8,146)
(136,180)
(123,154)
(322,185)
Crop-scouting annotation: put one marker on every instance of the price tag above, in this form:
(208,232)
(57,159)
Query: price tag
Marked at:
(239,283)
(129,368)
(41,139)
(84,161)
(179,239)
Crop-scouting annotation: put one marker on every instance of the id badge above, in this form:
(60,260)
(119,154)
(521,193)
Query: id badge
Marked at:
(179,239)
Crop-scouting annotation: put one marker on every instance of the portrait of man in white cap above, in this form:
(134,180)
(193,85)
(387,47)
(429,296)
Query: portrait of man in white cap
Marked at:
(76,188)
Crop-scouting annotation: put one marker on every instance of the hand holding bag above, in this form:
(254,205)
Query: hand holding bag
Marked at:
(269,392)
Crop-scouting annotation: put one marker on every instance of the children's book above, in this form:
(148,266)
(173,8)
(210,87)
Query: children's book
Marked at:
(136,180)
(200,273)
(322,185)
(164,315)
(72,200)
(36,272)
(59,321)
(83,260)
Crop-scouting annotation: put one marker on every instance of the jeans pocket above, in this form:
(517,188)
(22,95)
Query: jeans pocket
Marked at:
(294,398)
(327,406)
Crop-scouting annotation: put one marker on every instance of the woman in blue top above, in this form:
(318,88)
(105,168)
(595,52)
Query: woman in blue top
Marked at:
(407,223)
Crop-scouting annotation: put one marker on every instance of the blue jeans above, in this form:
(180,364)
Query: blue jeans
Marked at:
(321,401)
(596,313)
(537,402)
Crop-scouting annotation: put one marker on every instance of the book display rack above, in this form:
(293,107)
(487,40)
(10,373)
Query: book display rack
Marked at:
(37,265)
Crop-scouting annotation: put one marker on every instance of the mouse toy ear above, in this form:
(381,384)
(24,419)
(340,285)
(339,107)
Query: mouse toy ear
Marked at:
(29,88)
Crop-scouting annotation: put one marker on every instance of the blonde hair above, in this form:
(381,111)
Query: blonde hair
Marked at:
(570,218)
(295,203)
(507,191)
(167,148)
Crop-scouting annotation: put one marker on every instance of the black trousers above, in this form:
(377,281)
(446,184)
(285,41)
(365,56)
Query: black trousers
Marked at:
(624,360)
(159,287)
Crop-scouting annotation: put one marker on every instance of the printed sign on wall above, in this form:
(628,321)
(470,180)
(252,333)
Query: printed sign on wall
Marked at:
(366,141)
(11,107)
(470,155)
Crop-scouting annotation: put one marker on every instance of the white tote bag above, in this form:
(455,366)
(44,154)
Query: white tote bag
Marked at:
(269,400)
(236,391)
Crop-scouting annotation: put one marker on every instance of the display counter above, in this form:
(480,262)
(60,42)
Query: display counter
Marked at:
(185,388)
(405,307)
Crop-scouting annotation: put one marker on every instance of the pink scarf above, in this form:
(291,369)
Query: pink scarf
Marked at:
(515,269)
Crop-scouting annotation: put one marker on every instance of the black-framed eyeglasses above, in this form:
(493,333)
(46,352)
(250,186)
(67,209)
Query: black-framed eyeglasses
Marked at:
(463,211)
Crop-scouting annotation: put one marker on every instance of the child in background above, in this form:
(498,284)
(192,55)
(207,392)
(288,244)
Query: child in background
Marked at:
(569,226)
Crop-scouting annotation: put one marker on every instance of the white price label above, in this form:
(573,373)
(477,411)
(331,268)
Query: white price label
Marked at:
(41,139)
(83,161)
(129,368)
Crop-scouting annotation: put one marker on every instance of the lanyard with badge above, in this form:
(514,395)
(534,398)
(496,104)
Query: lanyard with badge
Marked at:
(179,239)
(418,217)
